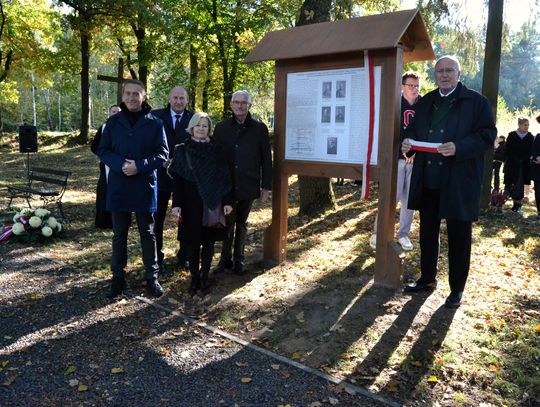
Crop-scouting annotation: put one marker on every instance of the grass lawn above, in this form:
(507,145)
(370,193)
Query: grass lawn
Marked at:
(321,307)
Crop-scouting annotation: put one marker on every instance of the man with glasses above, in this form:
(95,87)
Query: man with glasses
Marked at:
(410,86)
(247,149)
(456,127)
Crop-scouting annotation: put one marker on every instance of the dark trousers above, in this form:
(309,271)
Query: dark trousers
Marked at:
(496,174)
(163,198)
(237,232)
(200,253)
(459,243)
(537,194)
(145,223)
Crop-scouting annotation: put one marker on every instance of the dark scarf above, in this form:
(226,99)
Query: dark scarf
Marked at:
(132,117)
(443,105)
(203,164)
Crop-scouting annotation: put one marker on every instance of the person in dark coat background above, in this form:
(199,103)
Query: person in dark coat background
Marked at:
(499,156)
(103,216)
(175,118)
(201,180)
(247,149)
(133,145)
(517,164)
(446,183)
(535,169)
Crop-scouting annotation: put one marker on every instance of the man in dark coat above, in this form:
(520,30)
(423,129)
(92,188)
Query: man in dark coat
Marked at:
(247,149)
(133,145)
(175,118)
(446,181)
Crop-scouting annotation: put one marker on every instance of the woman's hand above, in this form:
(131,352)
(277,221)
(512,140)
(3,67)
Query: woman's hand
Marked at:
(227,209)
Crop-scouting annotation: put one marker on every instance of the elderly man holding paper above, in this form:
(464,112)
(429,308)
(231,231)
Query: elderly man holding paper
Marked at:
(452,129)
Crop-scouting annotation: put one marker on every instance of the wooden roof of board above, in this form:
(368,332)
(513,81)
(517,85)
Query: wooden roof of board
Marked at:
(380,31)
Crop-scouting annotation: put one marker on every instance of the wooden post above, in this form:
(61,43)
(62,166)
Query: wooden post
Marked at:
(388,257)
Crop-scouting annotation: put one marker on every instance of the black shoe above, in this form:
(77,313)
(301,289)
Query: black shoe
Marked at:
(194,287)
(182,264)
(239,267)
(206,287)
(223,266)
(118,285)
(420,286)
(454,299)
(154,288)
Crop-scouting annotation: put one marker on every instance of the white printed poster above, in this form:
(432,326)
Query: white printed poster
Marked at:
(327,116)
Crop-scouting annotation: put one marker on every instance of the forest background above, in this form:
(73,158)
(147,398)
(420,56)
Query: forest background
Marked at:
(47,48)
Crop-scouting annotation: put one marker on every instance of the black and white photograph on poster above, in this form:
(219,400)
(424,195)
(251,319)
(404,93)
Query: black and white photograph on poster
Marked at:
(327,90)
(325,114)
(331,145)
(340,89)
(340,114)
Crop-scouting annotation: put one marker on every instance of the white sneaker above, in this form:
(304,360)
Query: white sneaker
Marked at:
(373,241)
(405,243)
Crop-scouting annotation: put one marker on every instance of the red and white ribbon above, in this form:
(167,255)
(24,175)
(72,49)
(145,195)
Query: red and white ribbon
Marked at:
(424,146)
(6,233)
(368,63)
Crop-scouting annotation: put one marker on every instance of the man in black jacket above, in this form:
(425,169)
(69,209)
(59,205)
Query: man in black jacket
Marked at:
(175,119)
(457,126)
(247,148)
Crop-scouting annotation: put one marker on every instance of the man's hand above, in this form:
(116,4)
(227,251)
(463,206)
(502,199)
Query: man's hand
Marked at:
(409,160)
(129,168)
(264,195)
(167,163)
(537,161)
(227,209)
(447,149)
(406,145)
(176,212)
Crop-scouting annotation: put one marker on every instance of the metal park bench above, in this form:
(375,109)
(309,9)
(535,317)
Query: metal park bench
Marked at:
(49,185)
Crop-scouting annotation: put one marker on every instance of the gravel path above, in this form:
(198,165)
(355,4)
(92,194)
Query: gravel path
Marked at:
(63,344)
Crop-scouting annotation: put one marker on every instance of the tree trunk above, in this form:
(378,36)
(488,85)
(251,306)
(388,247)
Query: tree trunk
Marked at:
(142,54)
(49,110)
(193,76)
(490,83)
(316,194)
(85,87)
(59,111)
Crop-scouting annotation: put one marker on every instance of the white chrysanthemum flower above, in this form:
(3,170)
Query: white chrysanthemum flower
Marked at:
(46,231)
(16,217)
(59,227)
(27,211)
(18,229)
(35,221)
(41,212)
(52,222)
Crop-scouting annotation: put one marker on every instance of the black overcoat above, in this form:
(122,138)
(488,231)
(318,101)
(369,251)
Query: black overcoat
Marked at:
(187,193)
(535,168)
(470,125)
(518,156)
(247,150)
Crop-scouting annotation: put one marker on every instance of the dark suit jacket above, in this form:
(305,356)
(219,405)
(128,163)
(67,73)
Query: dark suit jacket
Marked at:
(164,181)
(470,125)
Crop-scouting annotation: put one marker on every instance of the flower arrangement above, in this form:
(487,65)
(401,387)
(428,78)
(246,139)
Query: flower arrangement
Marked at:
(32,225)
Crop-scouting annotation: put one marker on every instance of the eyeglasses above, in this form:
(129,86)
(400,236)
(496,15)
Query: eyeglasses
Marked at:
(448,71)
(411,86)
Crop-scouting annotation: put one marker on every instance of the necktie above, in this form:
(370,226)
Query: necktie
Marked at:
(177,129)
